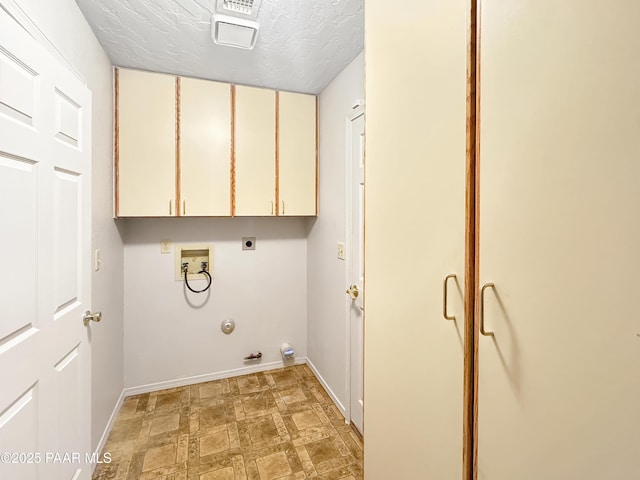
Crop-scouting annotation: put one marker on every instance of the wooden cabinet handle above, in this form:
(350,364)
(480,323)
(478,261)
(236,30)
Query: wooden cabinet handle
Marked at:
(170,207)
(282,207)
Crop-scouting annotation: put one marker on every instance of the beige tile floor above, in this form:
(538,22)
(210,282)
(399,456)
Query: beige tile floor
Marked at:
(279,424)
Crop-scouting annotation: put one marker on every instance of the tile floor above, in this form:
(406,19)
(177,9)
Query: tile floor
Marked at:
(279,424)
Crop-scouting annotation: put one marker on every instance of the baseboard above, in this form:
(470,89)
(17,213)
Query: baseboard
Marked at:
(107,429)
(209,377)
(322,381)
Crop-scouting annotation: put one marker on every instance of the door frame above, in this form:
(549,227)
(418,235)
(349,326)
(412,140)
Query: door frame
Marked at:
(357,110)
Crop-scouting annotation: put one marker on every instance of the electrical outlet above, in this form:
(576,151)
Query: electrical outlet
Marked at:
(341,250)
(165,246)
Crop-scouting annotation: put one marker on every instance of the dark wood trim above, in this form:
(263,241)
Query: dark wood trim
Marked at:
(277,209)
(116,140)
(469,470)
(179,211)
(232,172)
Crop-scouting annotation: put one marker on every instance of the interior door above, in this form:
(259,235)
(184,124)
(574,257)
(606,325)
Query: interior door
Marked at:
(559,379)
(356,269)
(45,203)
(415,87)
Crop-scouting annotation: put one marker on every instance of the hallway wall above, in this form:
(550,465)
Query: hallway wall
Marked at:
(173,334)
(63,24)
(326,276)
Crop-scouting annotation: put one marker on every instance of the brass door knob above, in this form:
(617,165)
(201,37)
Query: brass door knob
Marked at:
(91,317)
(353,291)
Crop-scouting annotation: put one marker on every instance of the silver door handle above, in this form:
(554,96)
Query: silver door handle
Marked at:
(91,317)
(482,330)
(444,297)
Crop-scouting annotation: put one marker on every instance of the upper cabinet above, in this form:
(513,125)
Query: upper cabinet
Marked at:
(297,154)
(205,148)
(255,151)
(145,144)
(189,147)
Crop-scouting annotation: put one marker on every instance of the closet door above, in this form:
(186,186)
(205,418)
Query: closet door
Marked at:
(296,154)
(559,380)
(415,70)
(255,151)
(146,148)
(205,148)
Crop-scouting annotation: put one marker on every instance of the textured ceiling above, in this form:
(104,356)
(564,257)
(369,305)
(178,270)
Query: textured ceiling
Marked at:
(302,44)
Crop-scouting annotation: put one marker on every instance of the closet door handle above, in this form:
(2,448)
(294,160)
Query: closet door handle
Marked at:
(482,330)
(445,297)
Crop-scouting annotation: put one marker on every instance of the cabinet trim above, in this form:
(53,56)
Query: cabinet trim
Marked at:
(116,141)
(178,179)
(317,148)
(277,209)
(470,400)
(232,172)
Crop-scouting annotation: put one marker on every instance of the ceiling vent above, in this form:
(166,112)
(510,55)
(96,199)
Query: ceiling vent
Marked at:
(244,8)
(234,32)
(234,23)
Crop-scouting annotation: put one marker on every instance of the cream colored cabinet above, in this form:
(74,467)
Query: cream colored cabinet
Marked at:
(145,144)
(556,309)
(205,148)
(297,160)
(559,379)
(189,147)
(414,238)
(255,152)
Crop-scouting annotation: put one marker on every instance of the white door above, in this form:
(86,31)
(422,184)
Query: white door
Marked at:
(559,379)
(356,265)
(45,202)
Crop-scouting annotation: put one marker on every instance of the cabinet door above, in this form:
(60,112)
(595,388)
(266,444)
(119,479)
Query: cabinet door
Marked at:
(146,148)
(559,381)
(296,154)
(255,151)
(205,148)
(415,69)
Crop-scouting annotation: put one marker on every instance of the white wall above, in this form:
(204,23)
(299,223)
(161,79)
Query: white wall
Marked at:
(264,291)
(326,276)
(65,27)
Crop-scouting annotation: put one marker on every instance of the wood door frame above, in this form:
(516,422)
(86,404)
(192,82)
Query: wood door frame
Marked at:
(470,401)
(357,111)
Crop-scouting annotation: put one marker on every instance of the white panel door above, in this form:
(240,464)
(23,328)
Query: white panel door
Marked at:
(356,268)
(559,380)
(205,148)
(146,144)
(255,151)
(45,203)
(415,70)
(296,154)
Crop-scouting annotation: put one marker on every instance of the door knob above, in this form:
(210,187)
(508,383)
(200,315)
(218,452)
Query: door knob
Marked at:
(91,317)
(353,291)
